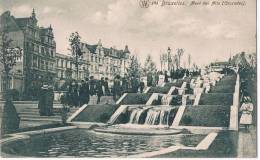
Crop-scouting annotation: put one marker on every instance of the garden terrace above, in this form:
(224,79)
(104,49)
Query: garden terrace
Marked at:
(164,90)
(206,115)
(225,85)
(176,100)
(96,113)
(136,98)
(178,83)
(225,99)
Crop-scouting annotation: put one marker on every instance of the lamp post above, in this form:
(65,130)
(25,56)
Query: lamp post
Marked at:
(169,57)
(161,60)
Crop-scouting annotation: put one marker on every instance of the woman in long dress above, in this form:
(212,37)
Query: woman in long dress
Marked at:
(246,109)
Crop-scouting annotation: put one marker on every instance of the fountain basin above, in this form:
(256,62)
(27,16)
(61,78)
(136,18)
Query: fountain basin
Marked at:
(87,143)
(133,129)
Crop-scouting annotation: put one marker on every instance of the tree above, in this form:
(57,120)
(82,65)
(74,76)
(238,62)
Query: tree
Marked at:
(8,57)
(134,68)
(189,60)
(149,65)
(75,49)
(180,52)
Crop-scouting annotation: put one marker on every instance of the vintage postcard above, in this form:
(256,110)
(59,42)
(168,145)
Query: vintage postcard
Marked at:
(128,79)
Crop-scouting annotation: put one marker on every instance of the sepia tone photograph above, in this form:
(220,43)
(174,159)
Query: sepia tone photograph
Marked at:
(128,79)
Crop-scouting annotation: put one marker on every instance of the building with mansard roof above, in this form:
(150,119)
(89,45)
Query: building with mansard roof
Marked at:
(97,61)
(37,64)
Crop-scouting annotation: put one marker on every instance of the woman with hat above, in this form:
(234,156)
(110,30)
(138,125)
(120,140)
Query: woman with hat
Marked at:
(246,109)
(42,105)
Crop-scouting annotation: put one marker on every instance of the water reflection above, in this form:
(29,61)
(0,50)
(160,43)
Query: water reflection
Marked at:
(83,143)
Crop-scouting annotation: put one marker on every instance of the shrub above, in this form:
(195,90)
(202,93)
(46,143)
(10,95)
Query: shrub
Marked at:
(186,120)
(13,94)
(10,119)
(176,100)
(163,90)
(104,117)
(136,98)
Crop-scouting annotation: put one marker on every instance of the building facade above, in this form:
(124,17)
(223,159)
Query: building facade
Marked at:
(41,64)
(96,61)
(37,65)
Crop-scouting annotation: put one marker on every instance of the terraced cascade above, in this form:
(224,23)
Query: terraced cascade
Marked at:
(160,105)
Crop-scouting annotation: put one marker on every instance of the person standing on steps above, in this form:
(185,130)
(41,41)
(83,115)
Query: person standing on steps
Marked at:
(75,95)
(50,98)
(116,88)
(124,84)
(84,92)
(156,77)
(107,92)
(42,104)
(92,86)
(166,77)
(142,85)
(246,109)
(149,79)
(99,90)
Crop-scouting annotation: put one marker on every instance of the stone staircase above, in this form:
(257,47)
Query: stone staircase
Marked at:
(29,113)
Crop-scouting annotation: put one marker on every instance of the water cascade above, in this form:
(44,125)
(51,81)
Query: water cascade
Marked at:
(154,116)
(166,99)
(135,115)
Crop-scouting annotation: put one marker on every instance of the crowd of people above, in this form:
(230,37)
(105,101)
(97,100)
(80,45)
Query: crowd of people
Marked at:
(79,93)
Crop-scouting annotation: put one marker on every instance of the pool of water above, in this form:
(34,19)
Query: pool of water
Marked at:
(85,143)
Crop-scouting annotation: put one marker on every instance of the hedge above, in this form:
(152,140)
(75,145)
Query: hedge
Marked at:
(225,99)
(207,115)
(136,98)
(96,113)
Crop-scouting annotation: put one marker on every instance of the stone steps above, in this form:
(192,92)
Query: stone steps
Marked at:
(43,117)
(30,117)
(43,120)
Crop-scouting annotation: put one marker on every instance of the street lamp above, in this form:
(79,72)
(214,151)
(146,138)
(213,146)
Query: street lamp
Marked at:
(169,57)
(161,60)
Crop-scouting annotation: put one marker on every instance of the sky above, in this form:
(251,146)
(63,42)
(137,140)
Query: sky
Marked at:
(207,33)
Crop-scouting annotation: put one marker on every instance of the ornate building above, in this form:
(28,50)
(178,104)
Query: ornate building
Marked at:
(41,64)
(39,51)
(105,62)
(97,61)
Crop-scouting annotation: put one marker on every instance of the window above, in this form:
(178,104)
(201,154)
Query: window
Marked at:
(47,65)
(62,73)
(61,63)
(42,50)
(37,48)
(42,64)
(47,51)
(66,64)
(91,58)
(32,47)
(52,53)
(34,61)
(39,63)
(51,66)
